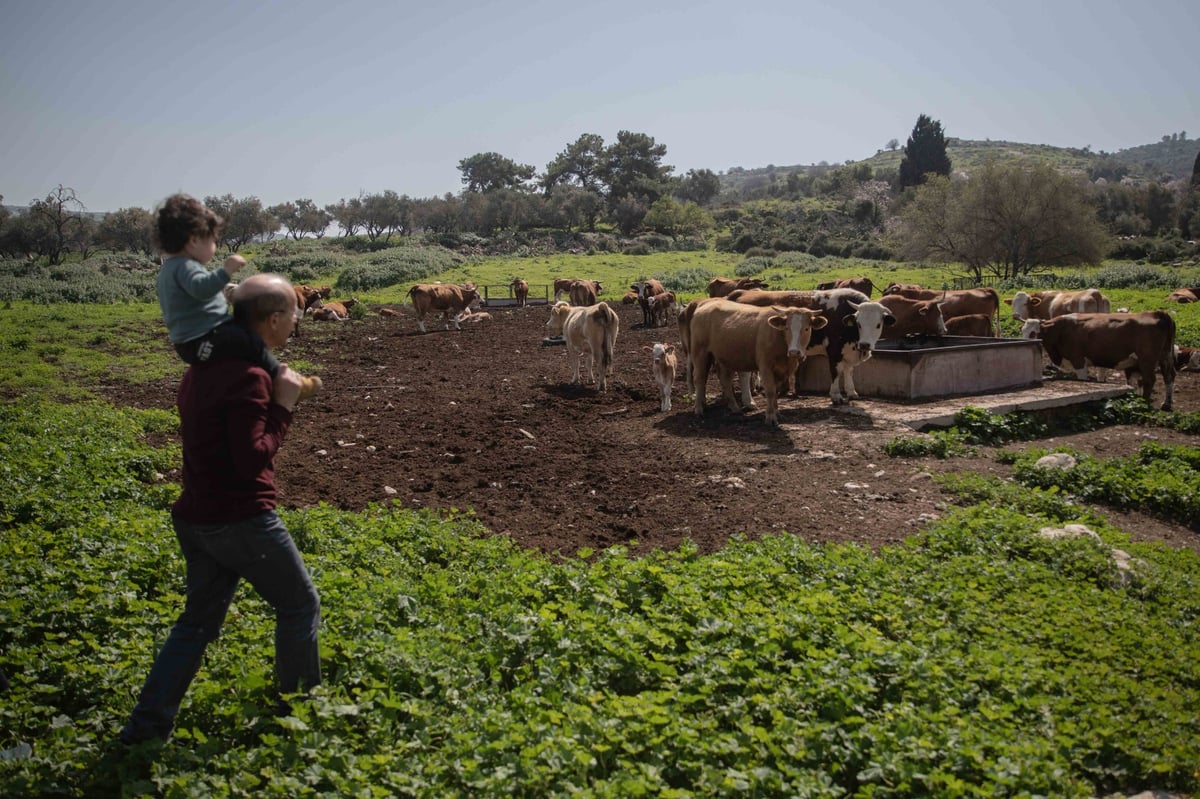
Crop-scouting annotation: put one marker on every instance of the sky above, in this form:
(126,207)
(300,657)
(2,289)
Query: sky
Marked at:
(129,101)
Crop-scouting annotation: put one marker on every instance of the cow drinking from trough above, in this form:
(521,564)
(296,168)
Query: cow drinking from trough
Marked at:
(589,332)
(449,300)
(745,338)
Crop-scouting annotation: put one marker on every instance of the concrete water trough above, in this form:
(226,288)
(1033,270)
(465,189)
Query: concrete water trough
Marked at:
(937,366)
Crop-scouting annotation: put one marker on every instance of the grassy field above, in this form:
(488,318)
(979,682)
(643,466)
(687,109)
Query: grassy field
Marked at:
(975,660)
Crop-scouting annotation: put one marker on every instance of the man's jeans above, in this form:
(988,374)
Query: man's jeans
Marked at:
(261,550)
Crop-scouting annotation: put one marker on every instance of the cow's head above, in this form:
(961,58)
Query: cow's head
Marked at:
(1032,328)
(1021,303)
(797,326)
(641,289)
(659,352)
(471,296)
(871,318)
(558,317)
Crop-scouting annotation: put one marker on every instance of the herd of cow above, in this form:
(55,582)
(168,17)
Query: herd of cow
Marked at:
(744,328)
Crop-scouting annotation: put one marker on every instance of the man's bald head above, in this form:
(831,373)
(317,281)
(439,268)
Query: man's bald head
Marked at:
(259,296)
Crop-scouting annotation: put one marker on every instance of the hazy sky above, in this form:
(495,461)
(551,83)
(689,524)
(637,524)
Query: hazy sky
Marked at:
(128,101)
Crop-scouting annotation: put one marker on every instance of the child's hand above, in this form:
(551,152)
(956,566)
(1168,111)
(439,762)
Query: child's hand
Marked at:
(233,264)
(285,389)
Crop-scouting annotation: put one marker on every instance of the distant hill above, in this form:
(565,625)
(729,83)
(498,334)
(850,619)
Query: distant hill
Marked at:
(1171,158)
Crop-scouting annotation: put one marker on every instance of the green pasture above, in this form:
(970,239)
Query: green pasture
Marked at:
(977,659)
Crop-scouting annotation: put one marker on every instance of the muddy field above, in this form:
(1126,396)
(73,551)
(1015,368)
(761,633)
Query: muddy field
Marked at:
(486,419)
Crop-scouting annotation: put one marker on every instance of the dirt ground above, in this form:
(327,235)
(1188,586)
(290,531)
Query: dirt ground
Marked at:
(486,419)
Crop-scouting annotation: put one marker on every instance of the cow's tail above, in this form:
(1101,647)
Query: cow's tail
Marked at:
(411,292)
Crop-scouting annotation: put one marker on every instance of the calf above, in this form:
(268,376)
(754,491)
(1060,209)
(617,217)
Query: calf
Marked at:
(954,303)
(660,307)
(446,299)
(662,366)
(1133,342)
(1185,295)
(914,317)
(975,324)
(645,289)
(743,338)
(589,332)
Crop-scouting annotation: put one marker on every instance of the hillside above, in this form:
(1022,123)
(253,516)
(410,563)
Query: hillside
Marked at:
(1170,158)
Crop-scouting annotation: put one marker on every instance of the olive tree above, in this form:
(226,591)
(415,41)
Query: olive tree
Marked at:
(245,220)
(127,230)
(1003,222)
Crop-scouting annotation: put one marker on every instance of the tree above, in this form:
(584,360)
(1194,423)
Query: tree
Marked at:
(581,164)
(1005,221)
(61,219)
(245,220)
(348,214)
(924,153)
(893,145)
(302,217)
(673,218)
(127,230)
(699,186)
(574,206)
(385,214)
(1196,173)
(486,172)
(632,167)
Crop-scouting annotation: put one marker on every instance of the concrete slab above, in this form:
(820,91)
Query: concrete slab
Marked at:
(925,415)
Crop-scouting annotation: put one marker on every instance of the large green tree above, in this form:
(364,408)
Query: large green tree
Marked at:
(484,172)
(924,153)
(633,168)
(127,230)
(699,186)
(245,220)
(1003,222)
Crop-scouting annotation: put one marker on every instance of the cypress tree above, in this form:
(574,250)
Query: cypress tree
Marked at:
(924,152)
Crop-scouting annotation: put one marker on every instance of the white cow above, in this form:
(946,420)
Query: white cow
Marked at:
(590,332)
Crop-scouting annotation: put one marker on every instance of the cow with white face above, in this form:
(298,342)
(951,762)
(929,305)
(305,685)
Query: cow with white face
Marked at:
(1049,304)
(744,338)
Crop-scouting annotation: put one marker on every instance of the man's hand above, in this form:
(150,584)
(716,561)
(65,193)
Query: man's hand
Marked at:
(233,264)
(286,389)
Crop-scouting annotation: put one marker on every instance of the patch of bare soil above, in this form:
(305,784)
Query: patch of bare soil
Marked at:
(486,419)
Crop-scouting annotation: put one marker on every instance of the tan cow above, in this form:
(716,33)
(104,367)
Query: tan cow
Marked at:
(746,338)
(445,299)
(1049,304)
(520,290)
(589,332)
(1132,342)
(914,317)
(978,325)
(723,286)
(662,366)
(862,284)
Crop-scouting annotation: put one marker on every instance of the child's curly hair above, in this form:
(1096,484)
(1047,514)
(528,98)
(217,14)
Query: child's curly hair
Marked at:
(182,216)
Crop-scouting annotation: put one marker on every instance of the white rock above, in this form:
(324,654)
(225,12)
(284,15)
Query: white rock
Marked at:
(1058,460)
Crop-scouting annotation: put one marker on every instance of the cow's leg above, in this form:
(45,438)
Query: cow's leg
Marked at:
(699,361)
(1167,366)
(771,389)
(835,382)
(666,393)
(747,381)
(421,323)
(726,376)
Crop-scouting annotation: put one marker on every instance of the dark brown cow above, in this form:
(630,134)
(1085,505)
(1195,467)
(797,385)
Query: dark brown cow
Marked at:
(582,293)
(954,303)
(914,317)
(978,325)
(660,307)
(562,285)
(1133,342)
(1185,295)
(446,299)
(862,284)
(724,286)
(520,290)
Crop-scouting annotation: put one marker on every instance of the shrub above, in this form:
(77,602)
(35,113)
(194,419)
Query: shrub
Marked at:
(637,249)
(397,266)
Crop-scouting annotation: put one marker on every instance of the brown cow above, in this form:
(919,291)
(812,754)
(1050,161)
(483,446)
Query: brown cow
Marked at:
(663,365)
(660,307)
(629,298)
(1133,342)
(333,311)
(745,338)
(589,332)
(1049,304)
(645,289)
(955,303)
(1185,295)
(862,284)
(723,286)
(562,285)
(446,299)
(1187,359)
(900,288)
(978,325)
(914,317)
(582,293)
(520,289)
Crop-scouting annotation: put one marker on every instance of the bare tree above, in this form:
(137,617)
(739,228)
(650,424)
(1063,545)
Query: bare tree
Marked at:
(61,215)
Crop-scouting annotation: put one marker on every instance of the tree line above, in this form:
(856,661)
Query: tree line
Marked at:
(1003,221)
